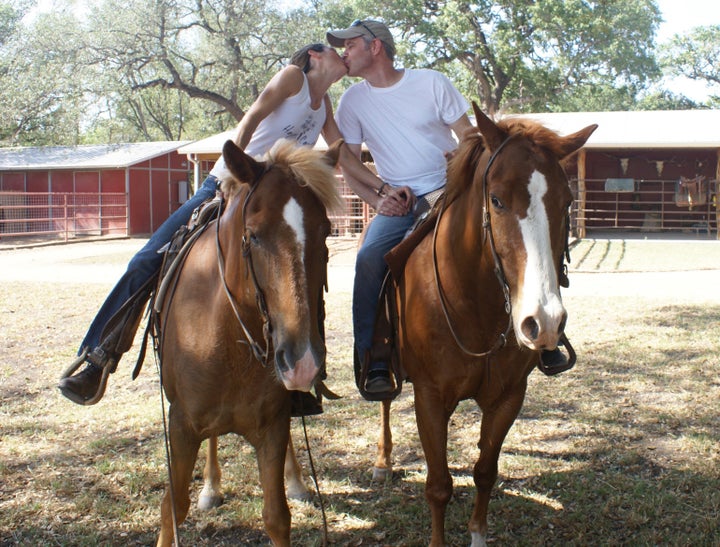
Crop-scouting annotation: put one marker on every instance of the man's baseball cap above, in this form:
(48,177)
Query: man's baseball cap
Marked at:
(367,28)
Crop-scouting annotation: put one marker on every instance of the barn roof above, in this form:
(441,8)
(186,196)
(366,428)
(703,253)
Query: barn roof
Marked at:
(640,129)
(629,129)
(103,156)
(212,145)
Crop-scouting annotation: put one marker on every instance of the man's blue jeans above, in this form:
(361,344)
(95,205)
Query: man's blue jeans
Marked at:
(382,234)
(145,263)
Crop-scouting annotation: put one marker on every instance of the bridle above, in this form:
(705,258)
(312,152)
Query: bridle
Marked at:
(499,272)
(261,353)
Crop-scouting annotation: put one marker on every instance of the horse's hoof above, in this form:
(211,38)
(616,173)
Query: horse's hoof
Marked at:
(299,494)
(381,473)
(205,503)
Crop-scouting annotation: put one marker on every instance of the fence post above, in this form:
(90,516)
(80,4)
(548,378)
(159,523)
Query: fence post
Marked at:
(65,216)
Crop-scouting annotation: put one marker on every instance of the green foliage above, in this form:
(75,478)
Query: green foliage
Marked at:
(132,70)
(694,55)
(522,55)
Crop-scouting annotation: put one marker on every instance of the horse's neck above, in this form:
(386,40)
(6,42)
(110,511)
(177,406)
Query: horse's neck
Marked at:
(465,250)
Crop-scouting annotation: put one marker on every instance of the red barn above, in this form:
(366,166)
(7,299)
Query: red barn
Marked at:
(121,189)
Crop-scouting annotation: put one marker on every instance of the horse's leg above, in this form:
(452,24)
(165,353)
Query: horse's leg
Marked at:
(383,463)
(495,426)
(271,452)
(432,423)
(184,447)
(294,484)
(211,495)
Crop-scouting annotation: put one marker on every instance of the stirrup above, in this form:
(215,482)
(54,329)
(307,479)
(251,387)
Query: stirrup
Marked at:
(109,367)
(76,363)
(571,359)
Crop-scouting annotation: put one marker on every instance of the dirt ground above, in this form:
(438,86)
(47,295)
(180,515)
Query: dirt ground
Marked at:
(622,448)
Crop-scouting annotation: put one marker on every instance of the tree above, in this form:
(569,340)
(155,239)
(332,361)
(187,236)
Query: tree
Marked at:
(41,97)
(536,55)
(221,52)
(694,55)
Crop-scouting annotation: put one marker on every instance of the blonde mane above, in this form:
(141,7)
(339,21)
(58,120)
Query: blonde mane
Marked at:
(307,166)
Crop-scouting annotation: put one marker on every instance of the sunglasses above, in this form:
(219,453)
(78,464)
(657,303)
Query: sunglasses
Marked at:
(318,48)
(359,23)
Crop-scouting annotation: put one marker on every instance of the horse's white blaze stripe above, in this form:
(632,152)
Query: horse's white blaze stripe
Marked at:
(536,236)
(293,215)
(540,290)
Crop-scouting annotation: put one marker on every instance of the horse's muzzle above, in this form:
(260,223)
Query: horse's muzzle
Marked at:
(299,372)
(542,330)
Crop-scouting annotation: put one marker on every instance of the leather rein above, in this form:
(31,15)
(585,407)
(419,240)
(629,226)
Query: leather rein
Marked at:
(261,353)
(499,272)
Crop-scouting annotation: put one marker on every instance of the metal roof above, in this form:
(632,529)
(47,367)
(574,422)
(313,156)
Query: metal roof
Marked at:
(640,129)
(104,156)
(213,145)
(634,129)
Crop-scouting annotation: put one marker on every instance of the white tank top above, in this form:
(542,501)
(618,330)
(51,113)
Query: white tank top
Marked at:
(294,119)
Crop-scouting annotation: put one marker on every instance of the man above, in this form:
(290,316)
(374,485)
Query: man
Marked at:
(406,118)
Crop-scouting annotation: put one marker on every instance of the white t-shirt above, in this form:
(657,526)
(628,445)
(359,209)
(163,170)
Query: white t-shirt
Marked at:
(406,126)
(294,119)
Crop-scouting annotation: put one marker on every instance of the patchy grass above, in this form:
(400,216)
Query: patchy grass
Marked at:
(621,450)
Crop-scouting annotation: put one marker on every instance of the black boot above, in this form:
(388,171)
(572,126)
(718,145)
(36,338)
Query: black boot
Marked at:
(554,361)
(82,386)
(304,403)
(87,387)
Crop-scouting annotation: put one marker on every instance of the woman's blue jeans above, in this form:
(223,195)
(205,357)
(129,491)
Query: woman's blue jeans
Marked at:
(383,234)
(145,263)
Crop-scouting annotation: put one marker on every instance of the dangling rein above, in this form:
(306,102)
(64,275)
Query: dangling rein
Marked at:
(499,273)
(261,354)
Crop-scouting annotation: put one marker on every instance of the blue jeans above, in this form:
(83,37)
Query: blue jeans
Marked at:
(145,263)
(382,234)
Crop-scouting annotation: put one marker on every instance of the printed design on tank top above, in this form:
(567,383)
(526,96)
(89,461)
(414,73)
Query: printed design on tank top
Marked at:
(300,134)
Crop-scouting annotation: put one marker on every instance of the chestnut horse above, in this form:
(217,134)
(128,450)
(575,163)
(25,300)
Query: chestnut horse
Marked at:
(243,322)
(503,219)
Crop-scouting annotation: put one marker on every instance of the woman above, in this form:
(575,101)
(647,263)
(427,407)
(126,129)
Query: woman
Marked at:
(294,105)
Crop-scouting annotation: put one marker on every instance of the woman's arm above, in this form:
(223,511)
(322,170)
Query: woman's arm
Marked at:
(284,84)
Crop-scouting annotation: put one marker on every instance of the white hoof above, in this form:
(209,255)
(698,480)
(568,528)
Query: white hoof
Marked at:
(298,492)
(207,502)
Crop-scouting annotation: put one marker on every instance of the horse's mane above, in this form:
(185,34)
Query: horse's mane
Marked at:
(307,165)
(461,168)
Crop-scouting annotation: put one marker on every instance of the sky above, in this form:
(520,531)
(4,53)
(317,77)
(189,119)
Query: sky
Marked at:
(680,16)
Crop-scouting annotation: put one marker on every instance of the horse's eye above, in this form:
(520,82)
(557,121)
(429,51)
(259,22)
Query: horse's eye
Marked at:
(250,239)
(496,203)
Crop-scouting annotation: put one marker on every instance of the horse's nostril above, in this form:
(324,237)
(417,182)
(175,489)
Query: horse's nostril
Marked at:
(530,328)
(280,360)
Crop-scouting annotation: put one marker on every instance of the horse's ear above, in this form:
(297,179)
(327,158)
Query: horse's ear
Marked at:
(574,142)
(333,153)
(243,167)
(493,135)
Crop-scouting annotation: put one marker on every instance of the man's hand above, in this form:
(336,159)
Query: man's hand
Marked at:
(396,202)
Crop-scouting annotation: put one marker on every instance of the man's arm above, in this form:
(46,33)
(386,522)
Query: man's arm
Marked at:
(461,125)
